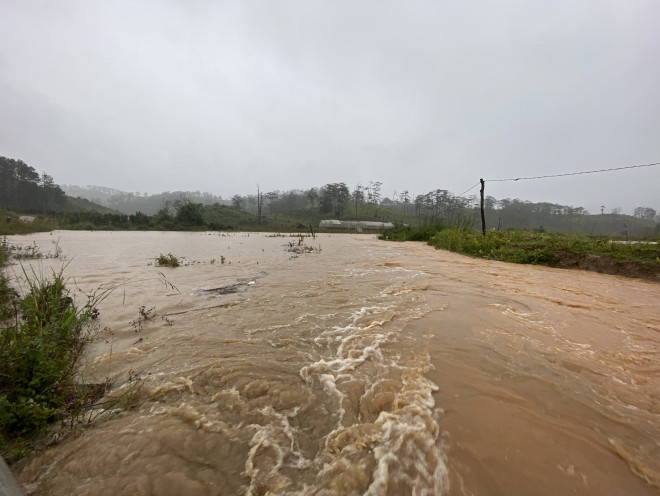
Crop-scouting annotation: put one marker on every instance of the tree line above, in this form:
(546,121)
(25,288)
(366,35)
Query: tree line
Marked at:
(338,200)
(23,189)
(333,198)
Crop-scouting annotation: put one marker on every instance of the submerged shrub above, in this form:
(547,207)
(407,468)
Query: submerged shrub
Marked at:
(168,260)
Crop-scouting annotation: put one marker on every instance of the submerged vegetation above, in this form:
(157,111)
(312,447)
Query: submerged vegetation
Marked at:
(168,260)
(301,247)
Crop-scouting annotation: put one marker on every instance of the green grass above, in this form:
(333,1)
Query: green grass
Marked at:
(422,232)
(4,252)
(7,294)
(16,226)
(528,247)
(517,247)
(42,338)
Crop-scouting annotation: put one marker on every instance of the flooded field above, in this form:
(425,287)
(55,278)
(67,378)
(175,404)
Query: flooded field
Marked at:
(356,367)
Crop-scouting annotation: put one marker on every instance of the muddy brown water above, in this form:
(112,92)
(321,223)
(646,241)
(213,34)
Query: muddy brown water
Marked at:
(364,367)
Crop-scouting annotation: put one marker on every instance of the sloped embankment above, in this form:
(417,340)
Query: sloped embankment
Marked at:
(608,265)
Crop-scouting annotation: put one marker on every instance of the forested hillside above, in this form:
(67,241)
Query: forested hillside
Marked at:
(22,189)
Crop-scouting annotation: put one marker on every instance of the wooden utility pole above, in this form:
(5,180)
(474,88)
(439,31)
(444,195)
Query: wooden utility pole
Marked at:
(483,215)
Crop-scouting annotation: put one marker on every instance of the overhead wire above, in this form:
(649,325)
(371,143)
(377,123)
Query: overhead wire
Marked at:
(571,173)
(469,189)
(558,175)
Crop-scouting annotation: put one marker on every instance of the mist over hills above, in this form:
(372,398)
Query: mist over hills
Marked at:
(130,203)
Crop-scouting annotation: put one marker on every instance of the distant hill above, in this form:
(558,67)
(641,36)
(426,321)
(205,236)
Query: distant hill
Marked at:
(130,203)
(96,194)
(83,205)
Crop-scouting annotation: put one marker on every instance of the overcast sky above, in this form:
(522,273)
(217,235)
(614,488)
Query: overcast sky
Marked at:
(217,96)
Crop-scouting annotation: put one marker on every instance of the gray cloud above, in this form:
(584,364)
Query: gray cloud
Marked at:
(217,96)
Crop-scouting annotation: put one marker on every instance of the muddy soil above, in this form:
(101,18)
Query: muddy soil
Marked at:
(609,265)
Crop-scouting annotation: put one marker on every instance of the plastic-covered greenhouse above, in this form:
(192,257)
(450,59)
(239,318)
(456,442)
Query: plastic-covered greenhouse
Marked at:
(358,225)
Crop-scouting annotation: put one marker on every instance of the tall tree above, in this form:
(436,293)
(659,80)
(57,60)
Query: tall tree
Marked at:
(272,197)
(404,197)
(334,197)
(358,196)
(374,190)
(190,214)
(312,196)
(237,201)
(646,213)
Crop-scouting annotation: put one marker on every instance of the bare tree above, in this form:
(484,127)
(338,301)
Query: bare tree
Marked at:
(404,197)
(260,200)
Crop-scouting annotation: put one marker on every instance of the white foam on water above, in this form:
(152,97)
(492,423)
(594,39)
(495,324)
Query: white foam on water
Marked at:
(330,387)
(386,431)
(275,435)
(400,446)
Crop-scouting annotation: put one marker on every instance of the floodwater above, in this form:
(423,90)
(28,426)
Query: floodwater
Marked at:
(361,367)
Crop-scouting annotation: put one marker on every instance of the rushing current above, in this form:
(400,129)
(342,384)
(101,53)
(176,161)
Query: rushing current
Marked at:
(345,365)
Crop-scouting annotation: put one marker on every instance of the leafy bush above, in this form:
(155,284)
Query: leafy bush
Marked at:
(423,232)
(41,341)
(168,260)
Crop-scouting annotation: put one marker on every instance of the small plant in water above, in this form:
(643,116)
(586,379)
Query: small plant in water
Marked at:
(302,249)
(168,260)
(143,316)
(31,252)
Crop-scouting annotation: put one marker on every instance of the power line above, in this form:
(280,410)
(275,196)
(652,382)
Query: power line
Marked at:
(468,190)
(570,173)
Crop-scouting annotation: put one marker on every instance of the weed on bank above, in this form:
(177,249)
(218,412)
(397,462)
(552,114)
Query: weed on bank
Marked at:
(526,247)
(42,338)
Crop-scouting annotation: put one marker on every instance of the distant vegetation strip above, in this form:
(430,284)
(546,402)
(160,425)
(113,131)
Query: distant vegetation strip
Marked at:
(598,253)
(188,216)
(24,192)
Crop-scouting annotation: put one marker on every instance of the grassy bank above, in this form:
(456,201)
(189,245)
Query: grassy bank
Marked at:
(638,259)
(42,338)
